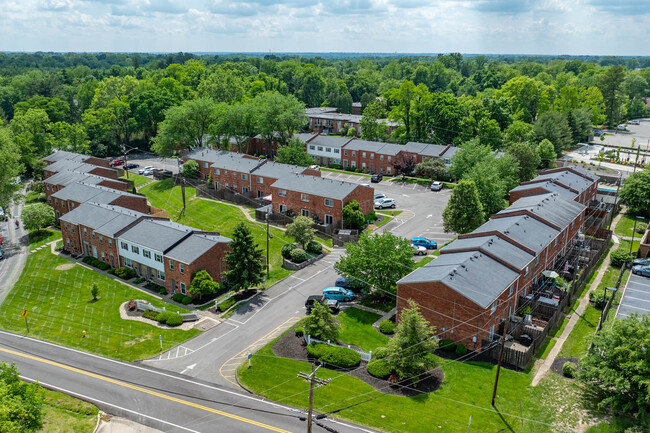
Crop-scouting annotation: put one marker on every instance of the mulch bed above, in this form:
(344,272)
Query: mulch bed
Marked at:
(556,367)
(290,346)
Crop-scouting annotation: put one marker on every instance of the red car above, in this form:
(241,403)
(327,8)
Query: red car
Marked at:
(116,162)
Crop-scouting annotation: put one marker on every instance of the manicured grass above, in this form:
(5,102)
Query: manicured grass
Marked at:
(42,237)
(610,277)
(625,244)
(384,220)
(577,342)
(137,179)
(416,180)
(426,260)
(56,292)
(545,348)
(390,212)
(378,302)
(357,329)
(211,215)
(560,329)
(65,414)
(33,197)
(625,226)
(466,390)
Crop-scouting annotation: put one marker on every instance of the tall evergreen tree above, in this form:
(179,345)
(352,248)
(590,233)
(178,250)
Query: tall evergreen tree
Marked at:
(244,260)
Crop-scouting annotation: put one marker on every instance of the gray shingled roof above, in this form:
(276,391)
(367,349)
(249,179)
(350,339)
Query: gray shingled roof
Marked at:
(374,146)
(68,177)
(320,110)
(276,169)
(317,186)
(549,186)
(495,246)
(474,275)
(567,178)
(524,229)
(70,165)
(83,192)
(64,154)
(587,173)
(194,247)
(101,218)
(304,136)
(550,207)
(158,235)
(329,141)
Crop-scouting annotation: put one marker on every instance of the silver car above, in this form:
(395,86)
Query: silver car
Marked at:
(385,203)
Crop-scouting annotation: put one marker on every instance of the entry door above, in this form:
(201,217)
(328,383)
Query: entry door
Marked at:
(94,251)
(112,261)
(86,249)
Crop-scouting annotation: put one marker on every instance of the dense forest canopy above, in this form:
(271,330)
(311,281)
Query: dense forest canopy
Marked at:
(104,103)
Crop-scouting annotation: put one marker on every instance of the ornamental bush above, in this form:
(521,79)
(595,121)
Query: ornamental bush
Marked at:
(300,331)
(186,300)
(174,319)
(338,356)
(150,314)
(223,306)
(379,368)
(569,369)
(461,349)
(448,345)
(315,247)
(641,228)
(387,327)
(178,297)
(380,352)
(620,256)
(163,316)
(124,273)
(286,250)
(298,255)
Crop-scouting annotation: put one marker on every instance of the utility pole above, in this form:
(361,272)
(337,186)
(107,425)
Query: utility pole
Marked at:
(503,343)
(180,173)
(319,382)
(268,238)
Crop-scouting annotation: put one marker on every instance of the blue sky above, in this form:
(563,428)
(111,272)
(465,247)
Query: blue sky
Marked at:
(617,27)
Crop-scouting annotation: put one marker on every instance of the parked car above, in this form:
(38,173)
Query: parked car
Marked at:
(379,196)
(131,165)
(147,172)
(634,122)
(142,170)
(385,203)
(355,285)
(598,132)
(436,186)
(424,242)
(376,178)
(641,270)
(642,262)
(338,294)
(116,162)
(367,185)
(2,254)
(3,216)
(333,304)
(418,250)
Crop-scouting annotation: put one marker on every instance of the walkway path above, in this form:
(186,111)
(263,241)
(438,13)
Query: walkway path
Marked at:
(584,301)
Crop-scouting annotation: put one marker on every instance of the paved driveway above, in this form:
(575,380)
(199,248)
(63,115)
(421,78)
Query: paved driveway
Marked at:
(15,241)
(636,298)
(421,208)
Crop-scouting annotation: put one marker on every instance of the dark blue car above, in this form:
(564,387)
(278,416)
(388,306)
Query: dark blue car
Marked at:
(424,242)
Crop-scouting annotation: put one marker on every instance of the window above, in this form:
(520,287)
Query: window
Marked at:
(93,235)
(161,275)
(329,202)
(372,156)
(158,258)
(146,253)
(205,165)
(260,179)
(494,307)
(447,161)
(56,201)
(244,189)
(217,171)
(135,249)
(181,268)
(66,226)
(381,157)
(217,186)
(510,291)
(67,241)
(389,158)
(85,233)
(526,273)
(71,205)
(320,148)
(244,176)
(329,219)
(363,165)
(311,147)
(171,265)
(328,149)
(125,246)
(103,258)
(283,208)
(282,193)
(555,243)
(101,240)
(305,213)
(353,163)
(183,288)
(337,150)
(110,242)
(304,197)
(345,152)
(354,153)
(363,155)
(536,260)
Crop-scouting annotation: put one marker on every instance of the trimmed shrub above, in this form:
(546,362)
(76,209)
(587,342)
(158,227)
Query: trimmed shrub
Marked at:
(641,228)
(163,316)
(448,345)
(620,256)
(371,217)
(150,314)
(569,369)
(186,300)
(461,349)
(178,297)
(286,250)
(387,327)
(223,306)
(298,255)
(315,247)
(379,368)
(111,271)
(162,291)
(138,280)
(124,273)
(380,352)
(174,319)
(300,331)
(338,356)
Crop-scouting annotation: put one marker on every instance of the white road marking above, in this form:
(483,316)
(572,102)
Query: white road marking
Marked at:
(189,367)
(429,216)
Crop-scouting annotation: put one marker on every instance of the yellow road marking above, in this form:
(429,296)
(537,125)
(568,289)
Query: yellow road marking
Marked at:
(146,391)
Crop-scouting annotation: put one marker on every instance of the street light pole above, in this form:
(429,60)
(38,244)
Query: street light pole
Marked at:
(634,231)
(268,237)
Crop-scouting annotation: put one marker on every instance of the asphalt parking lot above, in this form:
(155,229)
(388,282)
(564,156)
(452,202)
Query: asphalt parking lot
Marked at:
(143,160)
(421,208)
(636,298)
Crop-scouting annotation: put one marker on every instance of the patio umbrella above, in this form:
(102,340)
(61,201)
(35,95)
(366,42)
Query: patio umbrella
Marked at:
(550,274)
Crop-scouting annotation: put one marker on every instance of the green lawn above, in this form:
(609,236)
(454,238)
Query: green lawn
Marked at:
(357,329)
(545,348)
(558,331)
(625,244)
(427,259)
(137,179)
(389,212)
(60,307)
(65,414)
(42,237)
(466,390)
(216,216)
(34,197)
(625,226)
(577,342)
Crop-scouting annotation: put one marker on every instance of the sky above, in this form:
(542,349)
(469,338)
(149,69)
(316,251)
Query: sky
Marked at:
(575,27)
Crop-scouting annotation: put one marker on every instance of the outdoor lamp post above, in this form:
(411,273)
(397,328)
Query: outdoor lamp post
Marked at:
(634,231)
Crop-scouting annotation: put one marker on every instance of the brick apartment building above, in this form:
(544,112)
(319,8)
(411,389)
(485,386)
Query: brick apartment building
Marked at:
(478,280)
(328,120)
(571,182)
(74,194)
(159,250)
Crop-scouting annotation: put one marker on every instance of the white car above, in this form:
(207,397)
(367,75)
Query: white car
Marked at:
(379,196)
(143,169)
(147,172)
(634,122)
(384,203)
(419,251)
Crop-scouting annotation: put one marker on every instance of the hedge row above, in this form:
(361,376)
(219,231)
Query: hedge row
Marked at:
(338,356)
(124,273)
(181,298)
(223,306)
(96,263)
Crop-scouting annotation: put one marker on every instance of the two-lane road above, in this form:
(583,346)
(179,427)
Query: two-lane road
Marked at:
(15,250)
(166,401)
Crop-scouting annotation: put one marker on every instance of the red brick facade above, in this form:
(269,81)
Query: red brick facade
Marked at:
(212,261)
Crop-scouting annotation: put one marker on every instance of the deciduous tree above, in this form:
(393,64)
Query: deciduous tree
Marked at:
(527,157)
(190,168)
(294,153)
(352,215)
(185,125)
(37,216)
(432,167)
(403,163)
(21,402)
(301,230)
(635,192)
(546,152)
(202,284)
(464,211)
